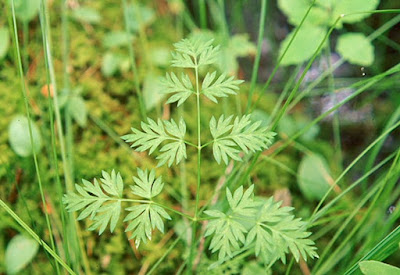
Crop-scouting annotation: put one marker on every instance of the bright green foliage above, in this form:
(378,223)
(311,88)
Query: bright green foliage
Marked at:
(248,223)
(154,133)
(19,253)
(270,228)
(314,177)
(277,231)
(377,268)
(182,88)
(222,87)
(356,48)
(4,42)
(99,201)
(193,53)
(243,134)
(144,218)
(147,186)
(322,15)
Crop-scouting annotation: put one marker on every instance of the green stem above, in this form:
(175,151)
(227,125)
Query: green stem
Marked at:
(73,227)
(199,147)
(203,18)
(25,96)
(258,55)
(35,236)
(139,93)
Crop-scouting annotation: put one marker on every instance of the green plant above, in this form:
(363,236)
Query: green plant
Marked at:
(248,223)
(355,48)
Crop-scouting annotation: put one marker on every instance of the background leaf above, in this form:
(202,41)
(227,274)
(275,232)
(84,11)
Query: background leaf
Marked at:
(18,135)
(110,64)
(116,39)
(152,91)
(4,42)
(77,109)
(356,49)
(26,10)
(378,268)
(314,176)
(353,6)
(303,46)
(296,9)
(20,251)
(86,15)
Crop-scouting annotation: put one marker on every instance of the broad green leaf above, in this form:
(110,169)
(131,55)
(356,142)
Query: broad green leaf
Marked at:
(4,42)
(110,64)
(116,39)
(146,184)
(314,177)
(303,46)
(296,9)
(86,15)
(386,247)
(26,10)
(77,109)
(353,6)
(152,91)
(19,136)
(356,49)
(20,251)
(378,268)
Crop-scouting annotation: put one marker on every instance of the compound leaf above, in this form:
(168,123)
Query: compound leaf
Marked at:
(272,229)
(228,235)
(221,87)
(182,88)
(146,184)
(194,52)
(99,201)
(243,134)
(143,219)
(276,232)
(154,133)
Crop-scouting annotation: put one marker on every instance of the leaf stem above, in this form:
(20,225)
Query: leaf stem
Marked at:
(35,236)
(199,147)
(159,204)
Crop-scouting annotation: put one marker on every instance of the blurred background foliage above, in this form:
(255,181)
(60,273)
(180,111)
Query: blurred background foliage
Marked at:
(97,96)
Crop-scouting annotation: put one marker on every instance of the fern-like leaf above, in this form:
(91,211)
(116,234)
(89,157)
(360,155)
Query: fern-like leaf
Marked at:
(277,232)
(272,229)
(221,87)
(154,133)
(228,234)
(99,201)
(194,52)
(243,134)
(181,88)
(146,184)
(143,219)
